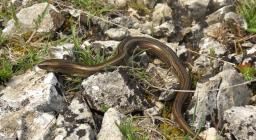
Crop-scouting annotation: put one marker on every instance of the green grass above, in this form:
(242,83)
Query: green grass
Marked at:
(84,55)
(5,69)
(129,131)
(247,8)
(249,72)
(94,7)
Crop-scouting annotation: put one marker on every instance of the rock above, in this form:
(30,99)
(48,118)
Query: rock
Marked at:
(161,11)
(50,19)
(165,29)
(211,134)
(211,47)
(75,122)
(197,8)
(163,78)
(247,44)
(251,50)
(118,3)
(126,21)
(236,58)
(232,17)
(215,31)
(240,123)
(117,34)
(27,105)
(205,66)
(153,111)
(218,16)
(109,89)
(146,28)
(211,104)
(110,45)
(150,3)
(109,129)
(60,51)
(221,3)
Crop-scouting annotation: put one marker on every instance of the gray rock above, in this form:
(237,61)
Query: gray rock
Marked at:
(232,17)
(27,104)
(165,29)
(51,19)
(197,8)
(75,122)
(146,28)
(211,104)
(204,65)
(211,134)
(220,3)
(218,16)
(210,46)
(163,78)
(247,44)
(117,34)
(126,21)
(109,129)
(150,3)
(153,111)
(109,45)
(251,50)
(240,123)
(161,11)
(60,51)
(110,90)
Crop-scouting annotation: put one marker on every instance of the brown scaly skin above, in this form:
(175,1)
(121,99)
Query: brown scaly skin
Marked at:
(128,45)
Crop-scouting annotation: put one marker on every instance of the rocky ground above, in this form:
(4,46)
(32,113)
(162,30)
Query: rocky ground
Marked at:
(214,39)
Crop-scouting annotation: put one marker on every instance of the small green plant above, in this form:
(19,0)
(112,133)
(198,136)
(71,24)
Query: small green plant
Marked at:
(84,55)
(247,9)
(129,131)
(5,69)
(28,61)
(248,71)
(104,107)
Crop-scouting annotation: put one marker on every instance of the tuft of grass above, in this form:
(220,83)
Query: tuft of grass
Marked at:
(129,131)
(5,69)
(84,55)
(104,107)
(248,71)
(247,9)
(28,61)
(3,39)
(140,7)
(94,7)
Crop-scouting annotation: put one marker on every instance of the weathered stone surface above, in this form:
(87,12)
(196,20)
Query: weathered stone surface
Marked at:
(50,19)
(109,129)
(210,103)
(165,29)
(240,123)
(197,8)
(210,46)
(60,51)
(232,17)
(218,15)
(75,122)
(220,3)
(117,34)
(160,12)
(211,134)
(29,101)
(109,89)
